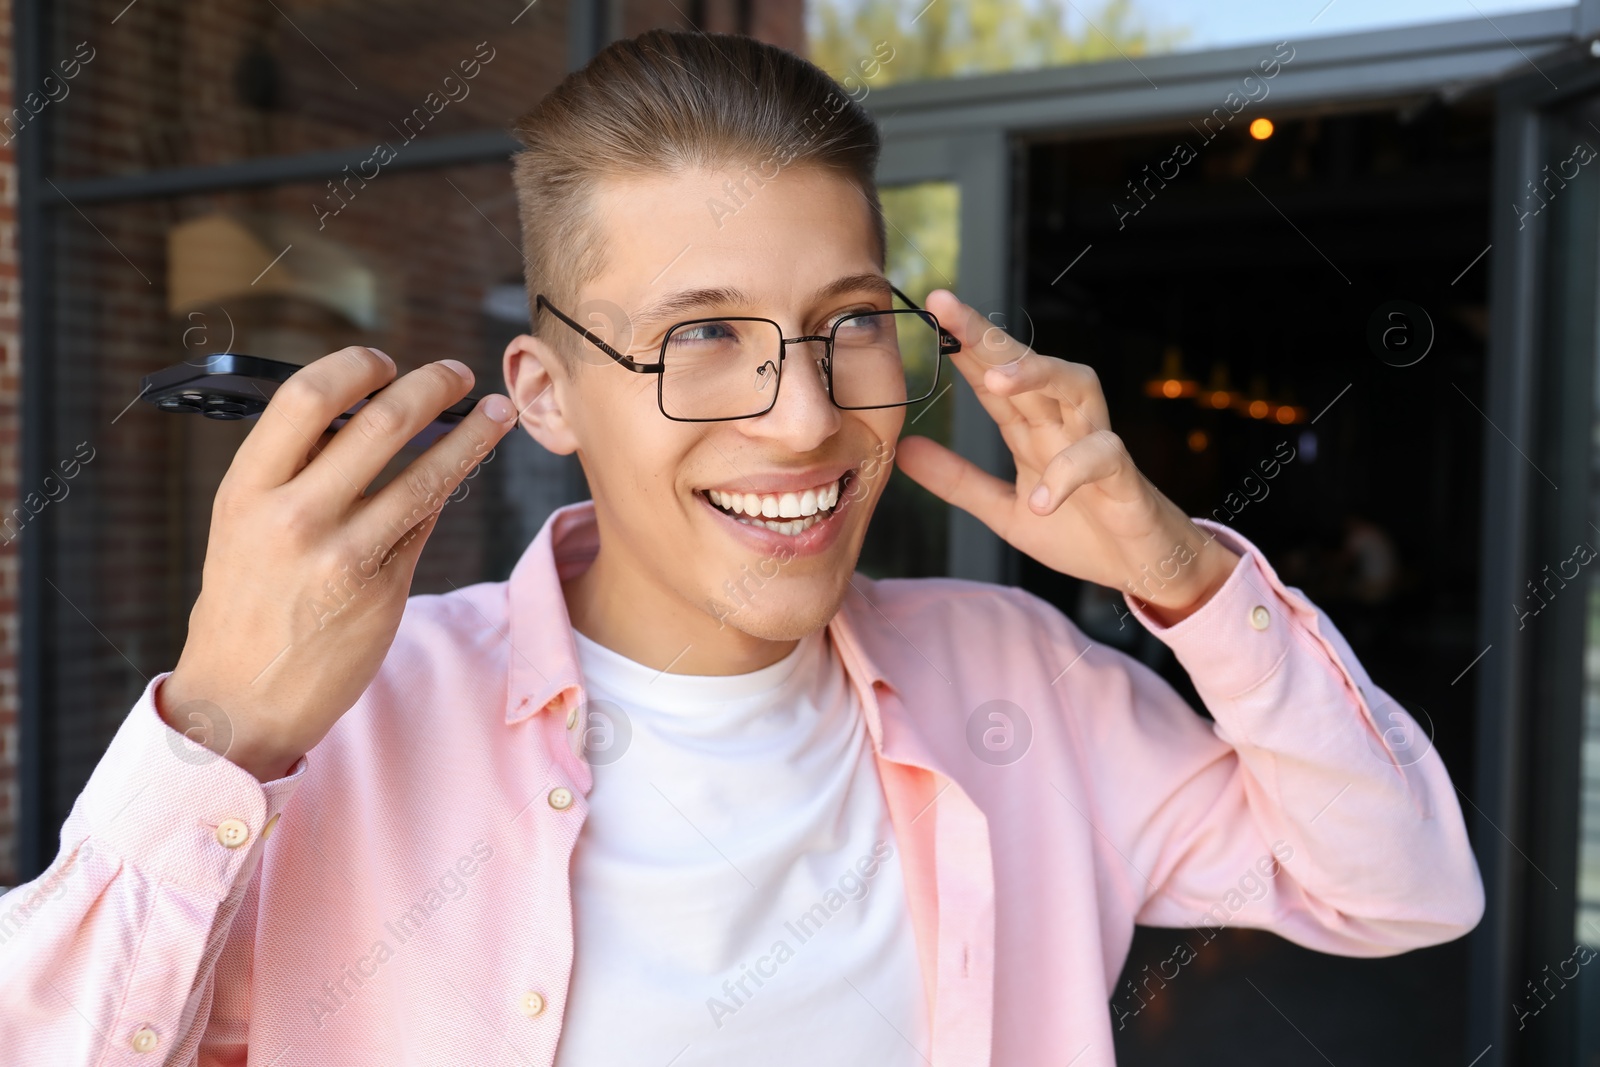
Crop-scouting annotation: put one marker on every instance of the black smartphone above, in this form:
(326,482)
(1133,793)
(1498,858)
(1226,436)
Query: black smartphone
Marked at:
(231,385)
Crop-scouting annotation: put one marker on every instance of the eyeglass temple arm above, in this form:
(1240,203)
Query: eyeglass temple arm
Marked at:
(947,340)
(627,362)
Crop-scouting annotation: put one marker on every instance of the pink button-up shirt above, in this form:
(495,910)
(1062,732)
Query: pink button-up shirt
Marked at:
(402,895)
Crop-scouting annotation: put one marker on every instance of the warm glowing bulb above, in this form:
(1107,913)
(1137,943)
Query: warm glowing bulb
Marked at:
(1198,441)
(1258,409)
(1261,129)
(1172,387)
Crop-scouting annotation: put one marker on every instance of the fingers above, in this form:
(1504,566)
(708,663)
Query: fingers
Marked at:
(1041,389)
(985,344)
(1098,457)
(364,446)
(977,352)
(423,487)
(278,446)
(957,481)
(1050,391)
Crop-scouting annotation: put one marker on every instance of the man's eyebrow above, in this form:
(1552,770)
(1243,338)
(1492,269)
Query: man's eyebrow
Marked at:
(676,305)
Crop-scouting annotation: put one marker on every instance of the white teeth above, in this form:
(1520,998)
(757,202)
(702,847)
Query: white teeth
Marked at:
(807,507)
(790,528)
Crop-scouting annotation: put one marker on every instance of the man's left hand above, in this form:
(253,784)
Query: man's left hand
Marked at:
(1079,505)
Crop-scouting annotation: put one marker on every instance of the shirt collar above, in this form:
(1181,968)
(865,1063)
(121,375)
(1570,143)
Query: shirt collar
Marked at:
(543,672)
(544,657)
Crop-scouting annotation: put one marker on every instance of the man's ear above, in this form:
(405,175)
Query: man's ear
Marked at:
(537,382)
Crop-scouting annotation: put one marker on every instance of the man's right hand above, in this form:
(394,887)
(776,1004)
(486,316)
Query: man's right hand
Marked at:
(306,577)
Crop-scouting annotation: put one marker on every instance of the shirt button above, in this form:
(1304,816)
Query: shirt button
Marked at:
(232,833)
(1260,617)
(144,1040)
(266,831)
(561,798)
(531,1004)
(572,717)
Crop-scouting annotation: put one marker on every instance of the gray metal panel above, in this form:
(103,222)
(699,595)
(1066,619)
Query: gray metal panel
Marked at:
(983,170)
(1587,22)
(590,27)
(1163,89)
(1501,791)
(915,159)
(1498,785)
(35,841)
(479,146)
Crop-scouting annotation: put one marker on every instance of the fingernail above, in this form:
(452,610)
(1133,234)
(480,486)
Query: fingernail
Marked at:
(1040,497)
(384,354)
(457,366)
(498,408)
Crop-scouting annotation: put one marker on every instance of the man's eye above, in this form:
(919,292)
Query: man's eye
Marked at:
(704,333)
(853,311)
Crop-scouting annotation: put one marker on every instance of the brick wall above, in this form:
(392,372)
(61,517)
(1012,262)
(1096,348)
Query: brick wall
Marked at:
(177,83)
(10,397)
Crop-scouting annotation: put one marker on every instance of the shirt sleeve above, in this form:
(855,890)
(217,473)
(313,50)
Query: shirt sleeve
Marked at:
(1315,805)
(109,956)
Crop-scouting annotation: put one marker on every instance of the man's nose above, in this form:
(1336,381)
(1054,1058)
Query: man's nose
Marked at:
(804,415)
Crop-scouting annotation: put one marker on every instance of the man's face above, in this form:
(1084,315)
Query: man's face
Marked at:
(675,499)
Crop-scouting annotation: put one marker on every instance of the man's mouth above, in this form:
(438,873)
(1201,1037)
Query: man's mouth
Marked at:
(785,513)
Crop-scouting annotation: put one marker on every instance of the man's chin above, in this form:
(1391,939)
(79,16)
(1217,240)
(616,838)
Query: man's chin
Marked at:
(785,619)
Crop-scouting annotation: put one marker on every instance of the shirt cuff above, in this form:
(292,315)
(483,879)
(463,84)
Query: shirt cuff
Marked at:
(174,809)
(1241,634)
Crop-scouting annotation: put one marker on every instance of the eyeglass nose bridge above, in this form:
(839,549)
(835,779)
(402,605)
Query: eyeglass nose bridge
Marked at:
(824,365)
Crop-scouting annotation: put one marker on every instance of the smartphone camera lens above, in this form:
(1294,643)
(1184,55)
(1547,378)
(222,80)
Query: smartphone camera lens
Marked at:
(225,407)
(185,402)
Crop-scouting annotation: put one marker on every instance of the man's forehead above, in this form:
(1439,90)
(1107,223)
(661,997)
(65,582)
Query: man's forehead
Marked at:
(686,300)
(667,258)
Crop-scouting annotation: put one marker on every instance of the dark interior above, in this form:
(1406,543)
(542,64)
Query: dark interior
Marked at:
(1282,259)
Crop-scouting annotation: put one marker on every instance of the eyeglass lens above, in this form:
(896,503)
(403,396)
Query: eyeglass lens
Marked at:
(728,368)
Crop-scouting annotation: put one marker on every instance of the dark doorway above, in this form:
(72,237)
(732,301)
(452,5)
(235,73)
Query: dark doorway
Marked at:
(1329,275)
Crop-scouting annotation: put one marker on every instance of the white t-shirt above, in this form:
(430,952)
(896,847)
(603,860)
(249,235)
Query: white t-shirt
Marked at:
(737,886)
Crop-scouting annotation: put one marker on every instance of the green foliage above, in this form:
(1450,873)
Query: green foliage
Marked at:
(922,236)
(948,38)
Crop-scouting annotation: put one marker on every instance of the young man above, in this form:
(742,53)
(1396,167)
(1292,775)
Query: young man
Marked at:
(686,789)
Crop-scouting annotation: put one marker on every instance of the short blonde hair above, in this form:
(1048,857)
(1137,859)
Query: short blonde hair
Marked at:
(664,101)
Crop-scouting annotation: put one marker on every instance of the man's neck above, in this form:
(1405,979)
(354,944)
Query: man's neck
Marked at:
(617,604)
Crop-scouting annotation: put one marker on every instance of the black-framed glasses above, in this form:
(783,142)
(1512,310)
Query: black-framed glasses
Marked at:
(730,367)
